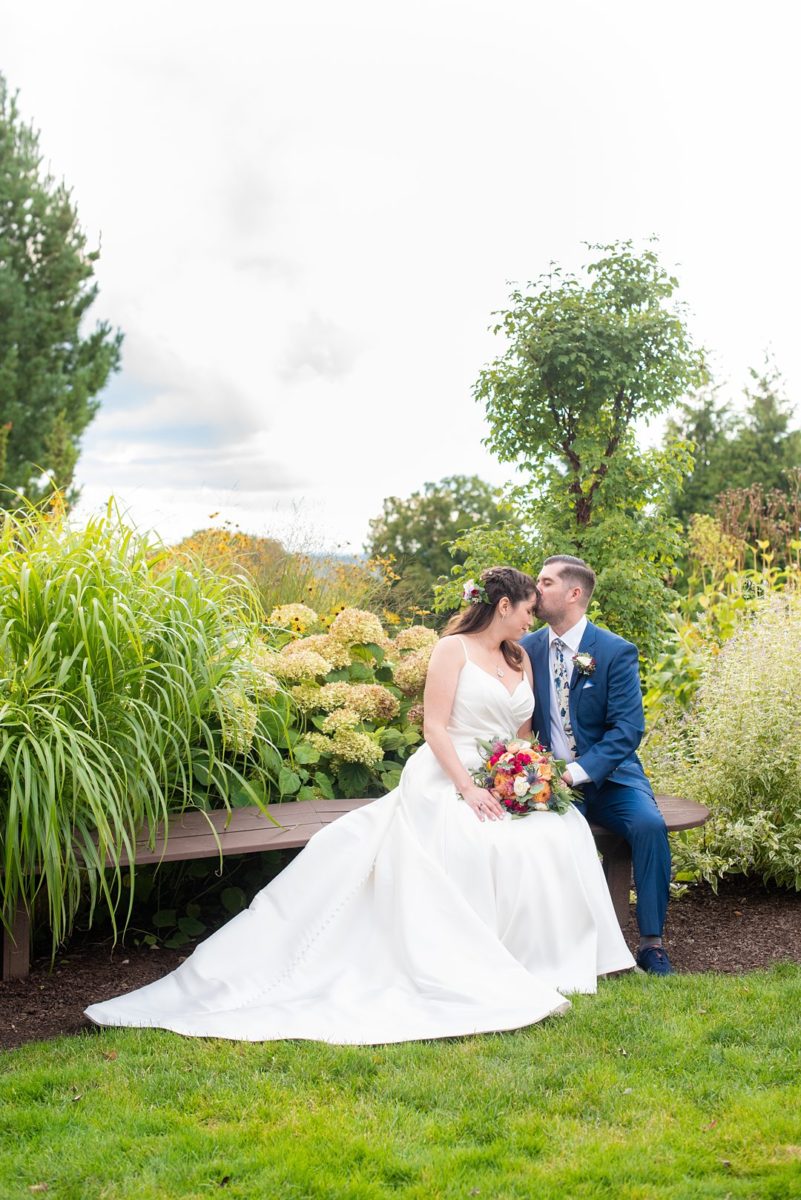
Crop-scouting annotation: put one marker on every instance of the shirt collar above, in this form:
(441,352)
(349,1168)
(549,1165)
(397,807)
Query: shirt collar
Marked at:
(572,637)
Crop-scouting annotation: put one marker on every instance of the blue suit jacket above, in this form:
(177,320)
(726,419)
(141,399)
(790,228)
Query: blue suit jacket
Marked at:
(605,708)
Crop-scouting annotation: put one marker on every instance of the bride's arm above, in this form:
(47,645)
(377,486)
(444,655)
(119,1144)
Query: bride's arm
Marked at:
(444,668)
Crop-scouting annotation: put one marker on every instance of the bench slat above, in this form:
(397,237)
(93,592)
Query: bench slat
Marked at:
(289,826)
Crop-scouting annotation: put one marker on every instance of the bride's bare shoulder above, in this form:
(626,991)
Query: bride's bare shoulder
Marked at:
(449,648)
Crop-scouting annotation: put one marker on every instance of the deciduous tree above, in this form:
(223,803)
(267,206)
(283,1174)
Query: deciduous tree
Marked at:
(586,359)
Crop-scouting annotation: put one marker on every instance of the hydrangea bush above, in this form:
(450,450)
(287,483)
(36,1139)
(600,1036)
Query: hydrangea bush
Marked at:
(352,712)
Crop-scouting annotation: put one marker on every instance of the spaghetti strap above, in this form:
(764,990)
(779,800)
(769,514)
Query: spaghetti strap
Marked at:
(467,657)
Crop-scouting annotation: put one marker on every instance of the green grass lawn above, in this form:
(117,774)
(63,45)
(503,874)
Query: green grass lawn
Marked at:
(682,1088)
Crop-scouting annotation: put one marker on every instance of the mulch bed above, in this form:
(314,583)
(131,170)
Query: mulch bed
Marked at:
(744,927)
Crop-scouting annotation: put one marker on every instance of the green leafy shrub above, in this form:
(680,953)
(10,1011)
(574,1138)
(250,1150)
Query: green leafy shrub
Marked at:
(721,596)
(353,711)
(737,748)
(128,688)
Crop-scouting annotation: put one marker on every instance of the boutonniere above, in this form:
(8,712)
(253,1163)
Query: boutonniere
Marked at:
(584,663)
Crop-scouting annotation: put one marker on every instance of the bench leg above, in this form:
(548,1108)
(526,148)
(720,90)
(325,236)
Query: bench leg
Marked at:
(617,869)
(17,947)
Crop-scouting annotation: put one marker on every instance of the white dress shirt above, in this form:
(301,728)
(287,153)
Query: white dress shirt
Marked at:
(559,743)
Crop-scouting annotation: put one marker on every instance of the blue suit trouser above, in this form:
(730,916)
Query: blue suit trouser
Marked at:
(633,813)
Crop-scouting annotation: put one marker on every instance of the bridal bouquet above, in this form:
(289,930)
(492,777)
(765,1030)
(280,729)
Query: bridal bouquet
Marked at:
(523,776)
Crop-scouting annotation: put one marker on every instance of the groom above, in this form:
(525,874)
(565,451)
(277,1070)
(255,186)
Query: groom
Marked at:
(589,712)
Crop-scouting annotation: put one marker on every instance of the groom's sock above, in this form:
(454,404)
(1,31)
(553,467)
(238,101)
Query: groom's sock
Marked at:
(647,939)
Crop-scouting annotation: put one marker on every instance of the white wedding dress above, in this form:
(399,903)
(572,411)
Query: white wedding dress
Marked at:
(406,919)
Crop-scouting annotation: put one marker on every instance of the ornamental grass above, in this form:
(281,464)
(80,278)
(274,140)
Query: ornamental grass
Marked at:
(118,676)
(737,749)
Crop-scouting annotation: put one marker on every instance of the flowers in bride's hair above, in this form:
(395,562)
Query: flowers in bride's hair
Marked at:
(474,593)
(584,663)
(523,776)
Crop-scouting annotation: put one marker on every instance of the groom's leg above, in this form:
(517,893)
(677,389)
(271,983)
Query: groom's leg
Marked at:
(634,814)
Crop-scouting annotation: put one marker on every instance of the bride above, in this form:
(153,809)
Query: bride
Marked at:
(428,913)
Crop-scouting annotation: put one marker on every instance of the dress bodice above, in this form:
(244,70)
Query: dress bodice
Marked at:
(483,706)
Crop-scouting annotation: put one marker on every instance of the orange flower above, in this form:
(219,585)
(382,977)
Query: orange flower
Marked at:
(503,786)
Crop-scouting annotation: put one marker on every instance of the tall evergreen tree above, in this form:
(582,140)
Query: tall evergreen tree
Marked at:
(51,369)
(736,449)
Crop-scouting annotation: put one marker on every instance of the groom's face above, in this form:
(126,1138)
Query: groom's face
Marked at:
(552,604)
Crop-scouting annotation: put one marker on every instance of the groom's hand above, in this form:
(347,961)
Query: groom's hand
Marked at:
(567,777)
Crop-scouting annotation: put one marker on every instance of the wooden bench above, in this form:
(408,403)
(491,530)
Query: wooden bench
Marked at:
(196,834)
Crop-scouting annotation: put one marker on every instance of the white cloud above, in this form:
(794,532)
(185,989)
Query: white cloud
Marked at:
(309,212)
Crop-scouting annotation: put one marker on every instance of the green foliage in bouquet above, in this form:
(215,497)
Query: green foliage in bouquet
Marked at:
(127,688)
(352,713)
(736,747)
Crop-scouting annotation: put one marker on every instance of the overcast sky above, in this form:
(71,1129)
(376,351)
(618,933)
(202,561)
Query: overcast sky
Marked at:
(309,211)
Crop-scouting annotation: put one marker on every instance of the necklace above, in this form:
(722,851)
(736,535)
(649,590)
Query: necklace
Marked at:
(499,672)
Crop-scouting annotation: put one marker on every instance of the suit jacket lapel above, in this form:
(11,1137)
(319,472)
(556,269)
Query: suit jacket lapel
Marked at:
(587,643)
(542,684)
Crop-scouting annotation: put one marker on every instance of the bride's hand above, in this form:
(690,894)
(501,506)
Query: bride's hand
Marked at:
(483,803)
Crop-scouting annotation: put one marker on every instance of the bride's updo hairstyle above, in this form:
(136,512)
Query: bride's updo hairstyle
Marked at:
(496,582)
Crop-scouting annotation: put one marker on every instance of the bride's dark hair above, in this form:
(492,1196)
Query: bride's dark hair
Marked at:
(497,583)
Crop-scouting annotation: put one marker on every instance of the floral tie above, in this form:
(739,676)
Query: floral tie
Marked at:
(562,683)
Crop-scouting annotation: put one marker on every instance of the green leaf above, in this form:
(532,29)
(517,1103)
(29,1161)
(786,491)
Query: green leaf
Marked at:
(233,899)
(164,918)
(177,940)
(324,784)
(304,753)
(353,779)
(288,781)
(392,739)
(307,793)
(360,672)
(191,926)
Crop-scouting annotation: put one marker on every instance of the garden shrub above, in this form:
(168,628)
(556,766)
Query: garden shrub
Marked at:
(353,713)
(737,749)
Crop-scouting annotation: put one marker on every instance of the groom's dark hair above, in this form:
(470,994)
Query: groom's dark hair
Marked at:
(576,572)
